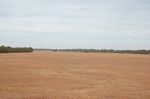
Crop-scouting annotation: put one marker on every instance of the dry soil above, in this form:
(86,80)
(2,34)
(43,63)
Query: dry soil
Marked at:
(74,75)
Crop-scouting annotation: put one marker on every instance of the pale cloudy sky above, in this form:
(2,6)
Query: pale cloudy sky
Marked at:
(117,24)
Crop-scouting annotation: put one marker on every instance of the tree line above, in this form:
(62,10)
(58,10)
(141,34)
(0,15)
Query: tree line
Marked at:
(8,49)
(101,51)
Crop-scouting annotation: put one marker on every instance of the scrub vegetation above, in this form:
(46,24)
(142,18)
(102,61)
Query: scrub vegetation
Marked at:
(8,49)
(143,51)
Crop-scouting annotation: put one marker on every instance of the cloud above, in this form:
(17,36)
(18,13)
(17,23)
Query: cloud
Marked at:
(88,21)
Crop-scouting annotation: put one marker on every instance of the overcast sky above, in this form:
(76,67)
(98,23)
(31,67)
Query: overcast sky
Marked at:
(110,24)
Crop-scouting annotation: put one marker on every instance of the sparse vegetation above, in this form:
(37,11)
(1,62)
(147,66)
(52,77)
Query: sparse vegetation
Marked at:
(8,49)
(101,51)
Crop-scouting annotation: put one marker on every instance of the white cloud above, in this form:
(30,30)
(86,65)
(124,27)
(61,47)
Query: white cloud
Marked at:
(128,19)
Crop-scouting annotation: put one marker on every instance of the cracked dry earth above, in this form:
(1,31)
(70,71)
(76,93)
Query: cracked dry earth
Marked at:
(74,75)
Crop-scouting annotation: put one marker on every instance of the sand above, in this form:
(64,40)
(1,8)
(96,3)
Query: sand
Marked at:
(74,75)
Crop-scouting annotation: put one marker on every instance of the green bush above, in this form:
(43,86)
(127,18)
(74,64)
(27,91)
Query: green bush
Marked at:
(8,49)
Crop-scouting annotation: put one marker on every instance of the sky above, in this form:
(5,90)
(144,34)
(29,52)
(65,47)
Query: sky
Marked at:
(98,24)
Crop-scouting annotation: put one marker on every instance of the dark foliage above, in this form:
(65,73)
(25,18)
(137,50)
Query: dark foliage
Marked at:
(8,49)
(103,51)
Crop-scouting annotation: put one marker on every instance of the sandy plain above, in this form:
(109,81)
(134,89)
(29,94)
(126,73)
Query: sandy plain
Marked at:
(74,75)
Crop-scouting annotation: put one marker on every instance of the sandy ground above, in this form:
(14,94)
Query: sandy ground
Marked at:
(74,75)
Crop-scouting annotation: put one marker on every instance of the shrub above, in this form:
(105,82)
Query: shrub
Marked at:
(8,49)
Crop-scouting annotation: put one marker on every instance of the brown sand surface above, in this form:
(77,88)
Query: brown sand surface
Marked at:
(74,75)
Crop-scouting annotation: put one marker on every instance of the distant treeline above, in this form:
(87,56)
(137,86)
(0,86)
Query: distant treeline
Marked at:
(8,49)
(100,51)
